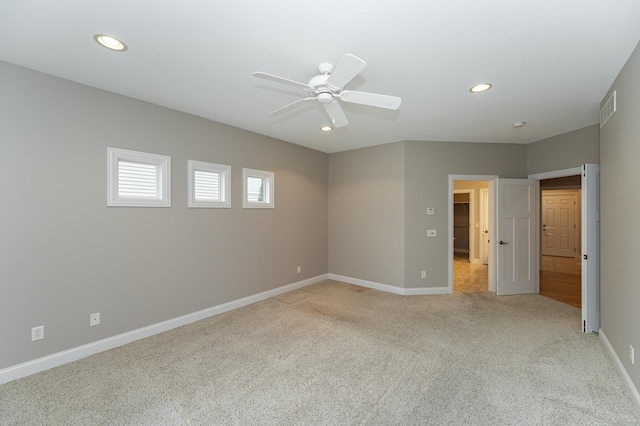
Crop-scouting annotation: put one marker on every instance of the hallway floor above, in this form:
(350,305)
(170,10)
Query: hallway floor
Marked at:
(469,277)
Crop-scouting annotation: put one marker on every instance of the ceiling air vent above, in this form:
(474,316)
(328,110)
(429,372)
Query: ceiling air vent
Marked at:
(608,109)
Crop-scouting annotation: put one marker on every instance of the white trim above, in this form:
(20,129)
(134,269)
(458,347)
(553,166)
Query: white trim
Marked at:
(557,173)
(425,291)
(633,392)
(390,288)
(35,366)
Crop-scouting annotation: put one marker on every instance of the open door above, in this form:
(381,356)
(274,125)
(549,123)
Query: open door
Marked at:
(517,236)
(484,225)
(590,248)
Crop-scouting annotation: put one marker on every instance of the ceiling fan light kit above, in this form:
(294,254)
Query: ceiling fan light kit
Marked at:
(327,89)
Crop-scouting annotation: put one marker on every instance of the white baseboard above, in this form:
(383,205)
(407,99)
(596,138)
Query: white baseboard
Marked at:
(35,366)
(633,392)
(390,288)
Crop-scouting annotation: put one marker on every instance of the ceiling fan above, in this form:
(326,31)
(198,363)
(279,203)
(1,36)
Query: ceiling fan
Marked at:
(328,88)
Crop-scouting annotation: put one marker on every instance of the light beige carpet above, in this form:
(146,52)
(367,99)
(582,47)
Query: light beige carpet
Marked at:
(337,354)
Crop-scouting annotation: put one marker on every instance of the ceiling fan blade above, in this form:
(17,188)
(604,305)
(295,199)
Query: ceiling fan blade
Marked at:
(281,80)
(290,106)
(371,99)
(348,67)
(336,114)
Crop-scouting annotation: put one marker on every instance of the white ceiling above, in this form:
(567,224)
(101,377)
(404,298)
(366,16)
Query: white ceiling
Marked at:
(551,62)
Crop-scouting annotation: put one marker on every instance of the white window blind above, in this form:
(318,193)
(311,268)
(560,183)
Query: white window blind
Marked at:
(138,180)
(209,185)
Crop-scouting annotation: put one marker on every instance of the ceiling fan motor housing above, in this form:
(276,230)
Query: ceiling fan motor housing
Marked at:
(323,92)
(325,97)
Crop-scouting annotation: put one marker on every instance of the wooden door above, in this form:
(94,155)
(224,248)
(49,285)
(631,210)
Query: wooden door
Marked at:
(558,223)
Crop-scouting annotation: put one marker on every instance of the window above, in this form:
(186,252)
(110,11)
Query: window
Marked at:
(258,189)
(209,185)
(138,179)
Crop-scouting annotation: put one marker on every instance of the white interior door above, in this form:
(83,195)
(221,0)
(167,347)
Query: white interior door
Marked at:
(517,236)
(484,225)
(558,224)
(590,248)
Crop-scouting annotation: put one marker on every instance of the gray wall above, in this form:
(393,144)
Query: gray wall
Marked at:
(366,214)
(565,151)
(65,255)
(620,227)
(427,169)
(378,199)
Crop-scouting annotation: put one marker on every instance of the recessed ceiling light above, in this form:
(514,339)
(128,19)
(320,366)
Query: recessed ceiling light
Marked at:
(326,128)
(482,87)
(518,124)
(110,42)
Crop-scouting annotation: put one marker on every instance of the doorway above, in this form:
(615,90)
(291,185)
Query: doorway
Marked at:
(590,239)
(560,239)
(470,230)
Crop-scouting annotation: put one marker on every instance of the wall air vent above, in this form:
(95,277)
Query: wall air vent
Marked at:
(608,109)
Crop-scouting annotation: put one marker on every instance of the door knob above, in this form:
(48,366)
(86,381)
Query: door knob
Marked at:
(503,243)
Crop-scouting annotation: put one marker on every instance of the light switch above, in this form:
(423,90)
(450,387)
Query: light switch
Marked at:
(431,232)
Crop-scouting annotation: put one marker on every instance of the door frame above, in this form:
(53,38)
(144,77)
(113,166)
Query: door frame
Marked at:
(572,172)
(492,179)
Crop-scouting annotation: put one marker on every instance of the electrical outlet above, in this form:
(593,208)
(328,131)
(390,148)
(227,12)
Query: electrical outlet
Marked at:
(431,232)
(299,269)
(424,274)
(631,355)
(94,319)
(37,333)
